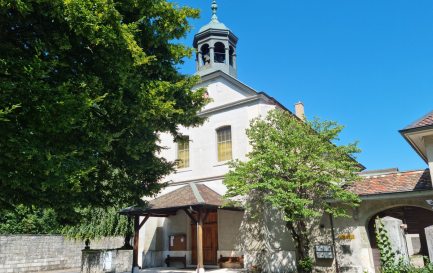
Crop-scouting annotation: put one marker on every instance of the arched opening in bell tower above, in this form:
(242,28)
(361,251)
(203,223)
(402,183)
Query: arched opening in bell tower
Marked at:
(205,54)
(220,55)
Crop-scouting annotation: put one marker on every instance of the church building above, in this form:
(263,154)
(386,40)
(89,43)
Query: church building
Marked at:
(186,226)
(202,157)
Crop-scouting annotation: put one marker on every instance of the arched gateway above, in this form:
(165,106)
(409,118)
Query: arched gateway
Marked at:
(415,220)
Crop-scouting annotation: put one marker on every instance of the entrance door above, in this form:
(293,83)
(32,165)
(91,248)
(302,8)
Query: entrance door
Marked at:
(210,240)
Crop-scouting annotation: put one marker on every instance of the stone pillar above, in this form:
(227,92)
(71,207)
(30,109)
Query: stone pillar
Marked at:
(429,239)
(227,59)
(234,60)
(396,236)
(212,55)
(428,142)
(199,60)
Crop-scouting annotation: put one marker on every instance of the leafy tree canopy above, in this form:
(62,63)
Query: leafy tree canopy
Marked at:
(85,88)
(29,220)
(296,168)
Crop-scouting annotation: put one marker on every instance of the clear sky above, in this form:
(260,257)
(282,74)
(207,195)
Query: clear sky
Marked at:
(367,64)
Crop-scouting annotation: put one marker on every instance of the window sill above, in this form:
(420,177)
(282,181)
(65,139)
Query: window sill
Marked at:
(222,163)
(183,170)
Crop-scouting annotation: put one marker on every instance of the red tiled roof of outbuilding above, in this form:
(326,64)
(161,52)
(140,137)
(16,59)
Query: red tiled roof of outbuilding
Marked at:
(426,120)
(393,183)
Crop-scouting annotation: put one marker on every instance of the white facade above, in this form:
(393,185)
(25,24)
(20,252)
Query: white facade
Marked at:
(230,106)
(233,104)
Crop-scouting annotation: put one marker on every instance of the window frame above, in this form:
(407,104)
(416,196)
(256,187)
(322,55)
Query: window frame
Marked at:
(217,130)
(177,160)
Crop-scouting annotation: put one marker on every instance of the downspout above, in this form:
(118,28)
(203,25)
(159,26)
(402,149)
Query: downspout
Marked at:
(337,267)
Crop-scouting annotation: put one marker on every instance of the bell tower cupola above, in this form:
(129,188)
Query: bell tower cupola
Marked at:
(215,45)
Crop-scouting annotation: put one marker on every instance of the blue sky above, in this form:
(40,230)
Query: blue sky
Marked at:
(366,64)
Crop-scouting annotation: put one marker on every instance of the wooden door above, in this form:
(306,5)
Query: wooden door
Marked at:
(210,240)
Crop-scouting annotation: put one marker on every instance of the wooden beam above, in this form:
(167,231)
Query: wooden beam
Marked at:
(194,220)
(144,221)
(137,227)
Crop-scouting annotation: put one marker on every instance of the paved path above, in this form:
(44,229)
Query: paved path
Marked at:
(160,270)
(190,270)
(72,270)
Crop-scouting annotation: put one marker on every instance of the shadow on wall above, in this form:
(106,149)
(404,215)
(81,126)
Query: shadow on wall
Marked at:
(154,258)
(265,240)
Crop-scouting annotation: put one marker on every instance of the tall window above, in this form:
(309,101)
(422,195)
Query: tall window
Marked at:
(224,138)
(183,152)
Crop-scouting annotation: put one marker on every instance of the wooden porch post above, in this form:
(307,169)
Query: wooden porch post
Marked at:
(136,239)
(137,227)
(200,265)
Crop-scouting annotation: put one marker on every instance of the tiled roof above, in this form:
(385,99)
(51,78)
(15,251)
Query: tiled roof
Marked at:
(393,183)
(190,195)
(427,120)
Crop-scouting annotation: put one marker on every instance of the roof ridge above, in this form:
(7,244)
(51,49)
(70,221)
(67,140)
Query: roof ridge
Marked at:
(196,193)
(210,189)
(393,173)
(414,171)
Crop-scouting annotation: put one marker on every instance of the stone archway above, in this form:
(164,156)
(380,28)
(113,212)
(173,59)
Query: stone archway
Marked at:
(416,219)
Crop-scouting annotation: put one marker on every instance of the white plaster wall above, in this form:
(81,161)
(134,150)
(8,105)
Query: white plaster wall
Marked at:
(229,223)
(223,92)
(203,142)
(154,239)
(176,224)
(217,186)
(428,142)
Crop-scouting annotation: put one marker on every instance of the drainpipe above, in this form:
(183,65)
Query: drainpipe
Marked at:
(337,267)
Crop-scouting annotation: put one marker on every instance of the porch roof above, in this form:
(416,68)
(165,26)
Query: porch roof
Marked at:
(189,196)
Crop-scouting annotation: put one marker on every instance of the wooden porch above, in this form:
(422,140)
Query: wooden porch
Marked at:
(200,204)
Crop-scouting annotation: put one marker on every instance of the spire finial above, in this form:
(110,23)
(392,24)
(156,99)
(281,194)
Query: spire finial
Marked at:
(214,8)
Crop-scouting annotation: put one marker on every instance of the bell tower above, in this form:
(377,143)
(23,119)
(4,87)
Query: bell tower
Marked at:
(215,45)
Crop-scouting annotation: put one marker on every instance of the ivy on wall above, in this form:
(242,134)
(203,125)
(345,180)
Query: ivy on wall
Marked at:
(387,256)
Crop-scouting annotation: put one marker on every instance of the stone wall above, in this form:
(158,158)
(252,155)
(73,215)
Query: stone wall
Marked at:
(100,261)
(34,253)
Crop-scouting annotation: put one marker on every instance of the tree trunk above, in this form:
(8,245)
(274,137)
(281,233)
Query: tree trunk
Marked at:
(302,244)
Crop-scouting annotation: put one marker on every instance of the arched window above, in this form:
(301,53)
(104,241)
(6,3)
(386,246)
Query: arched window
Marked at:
(231,53)
(205,54)
(224,140)
(220,55)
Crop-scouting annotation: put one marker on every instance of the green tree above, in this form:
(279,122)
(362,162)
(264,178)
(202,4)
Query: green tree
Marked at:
(295,168)
(86,86)
(29,220)
(98,223)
